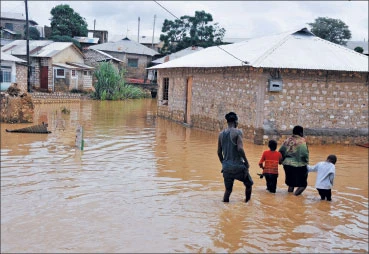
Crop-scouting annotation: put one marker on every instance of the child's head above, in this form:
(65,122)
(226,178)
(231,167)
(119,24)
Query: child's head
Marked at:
(332,158)
(272,145)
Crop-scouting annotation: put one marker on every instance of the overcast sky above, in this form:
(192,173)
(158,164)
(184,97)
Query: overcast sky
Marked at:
(241,19)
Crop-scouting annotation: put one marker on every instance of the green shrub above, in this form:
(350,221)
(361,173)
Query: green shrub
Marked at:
(111,86)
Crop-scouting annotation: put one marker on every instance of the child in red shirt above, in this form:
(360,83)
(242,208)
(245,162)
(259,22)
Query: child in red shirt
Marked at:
(269,163)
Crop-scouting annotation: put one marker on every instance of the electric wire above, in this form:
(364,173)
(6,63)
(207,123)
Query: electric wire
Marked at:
(243,62)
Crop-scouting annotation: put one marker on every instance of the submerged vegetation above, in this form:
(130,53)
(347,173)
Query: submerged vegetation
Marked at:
(111,86)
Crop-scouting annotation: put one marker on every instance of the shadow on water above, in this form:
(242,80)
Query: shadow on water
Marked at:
(145,184)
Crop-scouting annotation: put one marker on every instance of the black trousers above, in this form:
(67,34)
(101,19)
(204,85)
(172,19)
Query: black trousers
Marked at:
(324,193)
(271,182)
(230,177)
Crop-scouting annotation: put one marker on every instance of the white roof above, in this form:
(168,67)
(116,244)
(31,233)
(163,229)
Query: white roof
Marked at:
(125,46)
(10,58)
(37,48)
(298,49)
(178,54)
(106,55)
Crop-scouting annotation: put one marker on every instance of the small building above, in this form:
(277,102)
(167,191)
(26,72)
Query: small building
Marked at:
(134,56)
(55,66)
(13,70)
(273,83)
(15,23)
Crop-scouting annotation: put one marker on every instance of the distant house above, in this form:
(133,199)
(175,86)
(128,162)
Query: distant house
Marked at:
(152,75)
(55,66)
(13,70)
(93,57)
(14,24)
(363,44)
(86,41)
(101,34)
(134,56)
(273,83)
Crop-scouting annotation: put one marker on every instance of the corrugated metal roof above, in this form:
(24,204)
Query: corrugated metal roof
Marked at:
(17,16)
(297,49)
(106,54)
(80,65)
(178,54)
(8,57)
(19,47)
(87,39)
(36,48)
(125,46)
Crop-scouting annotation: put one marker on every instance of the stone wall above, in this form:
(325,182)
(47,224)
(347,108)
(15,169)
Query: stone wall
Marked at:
(16,109)
(331,106)
(21,72)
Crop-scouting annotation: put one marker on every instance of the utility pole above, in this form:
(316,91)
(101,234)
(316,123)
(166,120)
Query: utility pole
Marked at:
(153,32)
(138,34)
(28,59)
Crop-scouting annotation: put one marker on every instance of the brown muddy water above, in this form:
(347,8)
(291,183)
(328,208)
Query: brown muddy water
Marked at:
(145,184)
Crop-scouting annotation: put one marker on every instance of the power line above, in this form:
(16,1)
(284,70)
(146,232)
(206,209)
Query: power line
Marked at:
(243,62)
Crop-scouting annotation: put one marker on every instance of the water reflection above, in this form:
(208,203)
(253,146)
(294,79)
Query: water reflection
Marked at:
(145,184)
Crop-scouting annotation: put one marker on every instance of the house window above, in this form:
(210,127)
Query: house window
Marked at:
(60,73)
(9,26)
(87,73)
(73,74)
(165,89)
(6,74)
(132,62)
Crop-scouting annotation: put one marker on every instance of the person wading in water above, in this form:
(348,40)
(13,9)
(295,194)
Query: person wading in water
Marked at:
(233,158)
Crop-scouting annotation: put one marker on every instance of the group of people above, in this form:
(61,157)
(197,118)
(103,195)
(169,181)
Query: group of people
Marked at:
(293,155)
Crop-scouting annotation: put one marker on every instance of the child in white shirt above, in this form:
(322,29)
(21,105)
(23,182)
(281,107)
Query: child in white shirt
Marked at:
(326,171)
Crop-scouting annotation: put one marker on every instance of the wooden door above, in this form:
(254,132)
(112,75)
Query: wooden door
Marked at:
(187,119)
(44,78)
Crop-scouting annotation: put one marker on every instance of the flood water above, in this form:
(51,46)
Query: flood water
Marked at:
(146,184)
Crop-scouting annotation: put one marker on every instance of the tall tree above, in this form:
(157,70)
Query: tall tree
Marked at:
(34,34)
(333,30)
(66,22)
(191,31)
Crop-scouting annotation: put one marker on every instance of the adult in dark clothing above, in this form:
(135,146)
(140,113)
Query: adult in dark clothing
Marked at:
(295,156)
(233,158)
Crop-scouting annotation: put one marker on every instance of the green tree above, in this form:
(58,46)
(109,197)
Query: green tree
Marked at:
(66,22)
(333,30)
(191,31)
(111,86)
(359,49)
(34,34)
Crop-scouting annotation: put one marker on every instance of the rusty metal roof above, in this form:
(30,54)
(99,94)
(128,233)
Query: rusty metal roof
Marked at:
(297,49)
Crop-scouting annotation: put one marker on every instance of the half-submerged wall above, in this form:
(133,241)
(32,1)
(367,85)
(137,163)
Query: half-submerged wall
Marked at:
(330,105)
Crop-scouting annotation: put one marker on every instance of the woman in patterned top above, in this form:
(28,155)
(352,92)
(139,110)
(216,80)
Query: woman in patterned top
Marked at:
(295,155)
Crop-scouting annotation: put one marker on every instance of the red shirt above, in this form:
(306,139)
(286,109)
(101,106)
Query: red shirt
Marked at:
(271,160)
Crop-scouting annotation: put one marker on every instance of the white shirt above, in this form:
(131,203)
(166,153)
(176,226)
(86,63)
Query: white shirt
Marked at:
(326,171)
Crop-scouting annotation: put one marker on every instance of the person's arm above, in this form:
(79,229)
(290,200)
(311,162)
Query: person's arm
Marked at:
(262,159)
(331,177)
(240,149)
(220,151)
(312,168)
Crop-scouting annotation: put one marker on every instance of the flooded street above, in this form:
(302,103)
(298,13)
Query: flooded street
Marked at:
(146,184)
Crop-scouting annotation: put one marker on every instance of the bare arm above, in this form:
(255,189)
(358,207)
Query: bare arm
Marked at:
(241,151)
(220,152)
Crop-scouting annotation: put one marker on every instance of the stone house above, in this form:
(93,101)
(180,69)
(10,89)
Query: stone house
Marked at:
(13,70)
(93,57)
(273,83)
(134,56)
(55,66)
(14,25)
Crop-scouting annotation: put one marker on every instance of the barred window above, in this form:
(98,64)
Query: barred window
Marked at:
(165,89)
(6,74)
(132,62)
(60,73)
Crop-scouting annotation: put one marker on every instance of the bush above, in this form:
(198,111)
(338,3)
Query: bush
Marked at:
(111,86)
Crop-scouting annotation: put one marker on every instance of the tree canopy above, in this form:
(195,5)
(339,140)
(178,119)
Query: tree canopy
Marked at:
(359,49)
(34,34)
(333,30)
(191,31)
(66,22)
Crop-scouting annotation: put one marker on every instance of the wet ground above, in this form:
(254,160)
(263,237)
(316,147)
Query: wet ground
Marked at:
(145,184)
